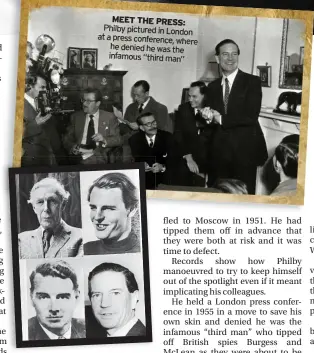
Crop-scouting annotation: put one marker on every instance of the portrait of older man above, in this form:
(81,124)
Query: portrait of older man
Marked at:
(54,293)
(113,201)
(54,237)
(113,293)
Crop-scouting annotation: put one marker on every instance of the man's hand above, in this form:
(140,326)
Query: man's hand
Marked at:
(217,118)
(207,114)
(75,150)
(157,168)
(147,167)
(98,138)
(42,119)
(193,167)
(134,126)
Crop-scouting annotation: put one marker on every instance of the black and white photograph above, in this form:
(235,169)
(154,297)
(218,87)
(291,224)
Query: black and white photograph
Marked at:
(74,58)
(204,113)
(80,255)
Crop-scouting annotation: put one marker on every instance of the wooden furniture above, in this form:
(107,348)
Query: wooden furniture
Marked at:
(109,82)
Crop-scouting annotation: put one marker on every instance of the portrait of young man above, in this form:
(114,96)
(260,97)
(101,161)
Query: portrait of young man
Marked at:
(54,237)
(114,294)
(54,293)
(113,201)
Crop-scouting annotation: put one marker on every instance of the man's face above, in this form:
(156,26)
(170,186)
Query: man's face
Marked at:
(108,213)
(112,303)
(48,206)
(149,125)
(228,58)
(54,300)
(90,105)
(139,95)
(40,85)
(88,58)
(195,97)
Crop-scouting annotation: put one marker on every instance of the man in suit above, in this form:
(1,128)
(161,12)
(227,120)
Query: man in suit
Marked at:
(154,147)
(54,293)
(53,237)
(114,294)
(238,144)
(193,133)
(142,103)
(113,201)
(93,136)
(36,144)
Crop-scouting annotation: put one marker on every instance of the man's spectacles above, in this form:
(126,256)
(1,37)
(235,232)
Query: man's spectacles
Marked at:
(151,123)
(88,101)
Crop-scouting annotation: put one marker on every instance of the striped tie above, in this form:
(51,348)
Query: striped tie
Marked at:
(227,93)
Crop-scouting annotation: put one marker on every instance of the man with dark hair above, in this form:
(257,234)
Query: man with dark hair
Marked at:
(238,144)
(54,295)
(36,146)
(54,237)
(93,135)
(113,201)
(285,161)
(193,132)
(142,103)
(153,147)
(113,292)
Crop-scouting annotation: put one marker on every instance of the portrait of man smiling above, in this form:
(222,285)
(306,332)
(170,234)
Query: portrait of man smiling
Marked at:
(113,201)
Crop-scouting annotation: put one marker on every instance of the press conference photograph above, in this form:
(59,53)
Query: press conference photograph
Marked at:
(226,120)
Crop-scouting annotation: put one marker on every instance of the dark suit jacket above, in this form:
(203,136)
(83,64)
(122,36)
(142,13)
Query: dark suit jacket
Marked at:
(36,144)
(161,152)
(35,331)
(67,242)
(95,330)
(239,140)
(159,110)
(108,126)
(187,137)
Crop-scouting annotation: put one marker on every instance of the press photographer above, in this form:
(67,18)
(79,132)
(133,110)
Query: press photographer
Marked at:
(42,104)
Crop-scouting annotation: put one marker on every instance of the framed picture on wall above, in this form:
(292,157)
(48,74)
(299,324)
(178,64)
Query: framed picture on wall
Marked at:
(89,58)
(74,58)
(264,72)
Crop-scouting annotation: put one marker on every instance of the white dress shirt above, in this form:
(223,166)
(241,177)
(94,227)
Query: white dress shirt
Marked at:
(87,120)
(30,100)
(53,336)
(123,331)
(144,104)
(149,138)
(230,78)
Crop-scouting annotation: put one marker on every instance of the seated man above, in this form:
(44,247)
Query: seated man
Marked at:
(54,294)
(113,292)
(53,237)
(286,165)
(154,147)
(113,201)
(93,134)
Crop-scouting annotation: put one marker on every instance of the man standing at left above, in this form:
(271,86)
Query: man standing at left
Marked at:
(53,237)
(93,136)
(54,293)
(36,143)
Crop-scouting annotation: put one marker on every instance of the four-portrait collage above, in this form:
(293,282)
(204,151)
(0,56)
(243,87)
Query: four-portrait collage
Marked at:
(82,254)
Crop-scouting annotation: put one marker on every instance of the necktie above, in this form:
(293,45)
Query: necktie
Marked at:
(227,93)
(151,143)
(140,108)
(46,240)
(90,133)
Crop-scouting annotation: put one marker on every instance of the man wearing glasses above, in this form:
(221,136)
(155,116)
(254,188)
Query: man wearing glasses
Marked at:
(154,147)
(93,136)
